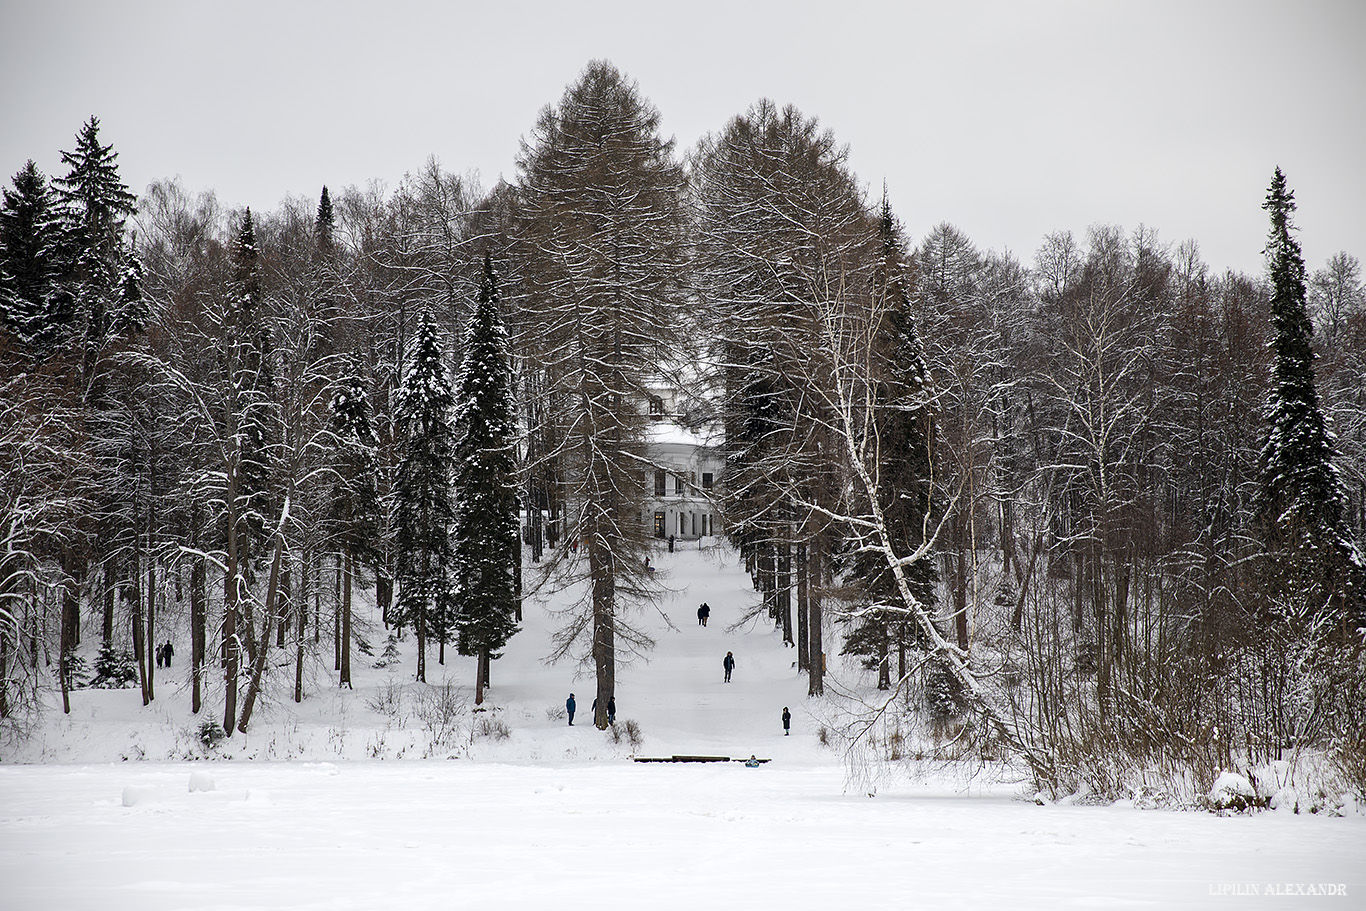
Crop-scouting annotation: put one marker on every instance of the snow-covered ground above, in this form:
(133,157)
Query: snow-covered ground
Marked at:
(554,816)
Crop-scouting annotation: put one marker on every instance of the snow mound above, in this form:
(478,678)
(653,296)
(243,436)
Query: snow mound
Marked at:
(1232,791)
(133,795)
(200,781)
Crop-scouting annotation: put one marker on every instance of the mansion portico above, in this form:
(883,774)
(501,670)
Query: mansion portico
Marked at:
(680,487)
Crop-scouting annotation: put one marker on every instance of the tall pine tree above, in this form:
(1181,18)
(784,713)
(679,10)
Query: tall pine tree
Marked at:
(30,265)
(1302,503)
(355,503)
(486,545)
(425,502)
(98,205)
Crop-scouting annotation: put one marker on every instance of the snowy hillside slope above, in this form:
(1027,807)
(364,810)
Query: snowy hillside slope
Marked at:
(675,694)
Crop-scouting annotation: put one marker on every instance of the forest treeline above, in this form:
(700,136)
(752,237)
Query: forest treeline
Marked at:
(1102,508)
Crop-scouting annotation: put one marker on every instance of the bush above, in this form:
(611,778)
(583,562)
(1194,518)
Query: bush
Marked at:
(388,702)
(390,656)
(210,735)
(1232,791)
(76,671)
(114,670)
(492,727)
(439,708)
(630,730)
(945,701)
(1348,760)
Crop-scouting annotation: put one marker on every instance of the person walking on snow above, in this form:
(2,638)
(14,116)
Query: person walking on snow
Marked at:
(703,613)
(569,707)
(787,722)
(728,664)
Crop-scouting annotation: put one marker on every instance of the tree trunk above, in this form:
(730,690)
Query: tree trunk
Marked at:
(282,629)
(420,628)
(960,583)
(141,654)
(603,581)
(199,609)
(384,594)
(315,570)
(337,619)
(345,678)
(301,611)
(803,595)
(70,617)
(480,675)
(784,582)
(232,582)
(4,671)
(816,673)
(768,559)
(110,590)
(884,655)
(151,619)
(267,621)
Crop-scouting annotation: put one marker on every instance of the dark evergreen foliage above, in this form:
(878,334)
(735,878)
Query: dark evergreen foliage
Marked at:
(97,204)
(485,535)
(354,501)
(252,419)
(325,224)
(1302,503)
(31,305)
(425,501)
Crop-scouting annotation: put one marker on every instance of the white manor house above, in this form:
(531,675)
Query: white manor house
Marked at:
(687,469)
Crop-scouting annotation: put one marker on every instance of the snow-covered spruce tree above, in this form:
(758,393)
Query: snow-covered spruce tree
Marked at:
(424,497)
(97,204)
(1312,558)
(354,501)
(30,266)
(325,225)
(486,544)
(246,424)
(602,243)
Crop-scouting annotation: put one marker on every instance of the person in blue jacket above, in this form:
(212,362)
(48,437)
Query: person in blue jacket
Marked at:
(569,707)
(729,665)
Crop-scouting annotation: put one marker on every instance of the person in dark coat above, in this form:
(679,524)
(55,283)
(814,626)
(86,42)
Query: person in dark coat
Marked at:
(703,613)
(728,664)
(611,709)
(569,707)
(167,651)
(161,656)
(787,722)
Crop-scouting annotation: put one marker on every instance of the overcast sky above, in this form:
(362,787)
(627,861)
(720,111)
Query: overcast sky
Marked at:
(1008,119)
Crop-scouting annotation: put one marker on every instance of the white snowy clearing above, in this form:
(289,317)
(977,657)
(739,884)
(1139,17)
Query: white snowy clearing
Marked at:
(364,800)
